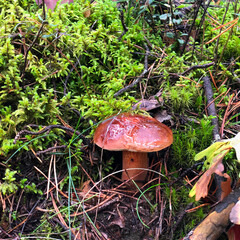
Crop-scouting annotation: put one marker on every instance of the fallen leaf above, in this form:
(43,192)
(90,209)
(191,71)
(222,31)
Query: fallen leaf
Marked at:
(213,163)
(225,186)
(200,189)
(212,152)
(118,221)
(163,116)
(89,197)
(147,105)
(87,13)
(153,102)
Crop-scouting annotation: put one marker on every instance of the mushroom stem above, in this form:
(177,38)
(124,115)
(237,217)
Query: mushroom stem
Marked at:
(134,160)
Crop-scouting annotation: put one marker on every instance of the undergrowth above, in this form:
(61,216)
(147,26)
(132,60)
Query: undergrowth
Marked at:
(64,67)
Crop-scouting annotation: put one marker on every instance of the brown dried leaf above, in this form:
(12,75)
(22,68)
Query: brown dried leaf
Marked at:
(147,105)
(225,186)
(90,197)
(163,116)
(87,13)
(119,222)
(200,189)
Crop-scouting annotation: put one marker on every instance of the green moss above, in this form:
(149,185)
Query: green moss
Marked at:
(85,53)
(182,96)
(191,140)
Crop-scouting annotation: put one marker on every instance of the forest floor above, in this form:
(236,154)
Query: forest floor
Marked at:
(65,69)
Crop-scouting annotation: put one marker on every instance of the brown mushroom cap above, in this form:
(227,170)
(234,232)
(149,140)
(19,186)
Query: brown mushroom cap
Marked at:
(132,132)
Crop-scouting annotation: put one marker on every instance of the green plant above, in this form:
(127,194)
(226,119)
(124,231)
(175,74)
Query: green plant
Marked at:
(214,155)
(75,63)
(9,185)
(190,140)
(181,96)
(29,188)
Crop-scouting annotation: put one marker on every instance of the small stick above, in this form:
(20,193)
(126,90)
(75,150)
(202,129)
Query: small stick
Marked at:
(50,149)
(217,221)
(197,66)
(127,88)
(49,128)
(125,29)
(211,107)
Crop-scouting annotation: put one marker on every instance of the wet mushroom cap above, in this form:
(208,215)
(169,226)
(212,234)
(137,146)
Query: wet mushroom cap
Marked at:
(133,132)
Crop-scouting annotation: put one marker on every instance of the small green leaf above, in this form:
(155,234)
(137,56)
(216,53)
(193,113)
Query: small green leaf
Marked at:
(193,191)
(170,34)
(164,16)
(208,152)
(181,6)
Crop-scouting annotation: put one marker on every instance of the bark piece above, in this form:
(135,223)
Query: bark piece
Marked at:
(216,222)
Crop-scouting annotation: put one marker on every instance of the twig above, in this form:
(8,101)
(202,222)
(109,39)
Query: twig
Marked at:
(127,88)
(191,27)
(173,23)
(226,114)
(30,214)
(211,107)
(49,128)
(191,69)
(103,205)
(217,221)
(180,217)
(125,29)
(202,21)
(223,32)
(184,173)
(30,47)
(197,66)
(50,149)
(217,43)
(68,76)
(35,39)
(216,136)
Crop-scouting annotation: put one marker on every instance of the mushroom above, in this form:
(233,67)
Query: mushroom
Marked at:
(135,135)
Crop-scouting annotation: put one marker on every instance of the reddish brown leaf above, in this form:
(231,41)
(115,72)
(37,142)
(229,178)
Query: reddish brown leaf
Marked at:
(200,189)
(225,186)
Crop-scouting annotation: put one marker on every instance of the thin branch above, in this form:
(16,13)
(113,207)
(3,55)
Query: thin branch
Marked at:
(127,88)
(217,43)
(68,76)
(125,29)
(197,67)
(50,149)
(35,39)
(180,217)
(49,128)
(211,107)
(202,20)
(191,27)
